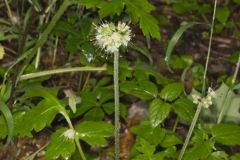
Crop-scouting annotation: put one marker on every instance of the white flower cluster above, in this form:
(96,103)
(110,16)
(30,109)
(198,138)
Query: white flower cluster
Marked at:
(69,134)
(110,37)
(205,101)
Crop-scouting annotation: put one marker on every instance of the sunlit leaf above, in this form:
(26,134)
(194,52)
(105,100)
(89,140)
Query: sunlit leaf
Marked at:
(60,146)
(94,133)
(171,91)
(158,111)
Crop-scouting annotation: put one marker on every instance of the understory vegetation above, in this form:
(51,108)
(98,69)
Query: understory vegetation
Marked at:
(120,79)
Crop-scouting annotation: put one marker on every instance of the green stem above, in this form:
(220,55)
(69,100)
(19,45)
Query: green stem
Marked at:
(86,81)
(58,71)
(236,71)
(175,124)
(195,118)
(76,136)
(192,126)
(116,98)
(209,47)
(55,51)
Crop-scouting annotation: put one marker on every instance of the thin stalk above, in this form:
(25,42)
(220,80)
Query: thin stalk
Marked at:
(195,118)
(39,49)
(55,51)
(224,105)
(175,124)
(9,11)
(50,6)
(32,156)
(75,137)
(86,81)
(209,47)
(236,71)
(58,71)
(116,98)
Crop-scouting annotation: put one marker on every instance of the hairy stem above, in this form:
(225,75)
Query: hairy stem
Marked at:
(195,118)
(209,48)
(116,98)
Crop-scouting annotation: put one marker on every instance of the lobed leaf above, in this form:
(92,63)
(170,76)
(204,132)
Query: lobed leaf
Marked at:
(94,133)
(60,146)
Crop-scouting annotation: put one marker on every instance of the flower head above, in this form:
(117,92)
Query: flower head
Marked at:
(205,101)
(211,92)
(110,37)
(196,98)
(69,134)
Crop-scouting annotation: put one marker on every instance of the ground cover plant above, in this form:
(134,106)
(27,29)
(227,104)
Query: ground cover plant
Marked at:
(120,79)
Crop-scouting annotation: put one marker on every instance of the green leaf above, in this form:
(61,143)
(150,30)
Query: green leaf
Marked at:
(171,91)
(154,135)
(41,115)
(20,128)
(143,89)
(222,14)
(94,133)
(3,126)
(152,29)
(46,110)
(8,117)
(110,8)
(158,112)
(109,109)
(95,114)
(170,139)
(219,155)
(60,146)
(199,151)
(138,10)
(172,43)
(144,147)
(184,109)
(227,134)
